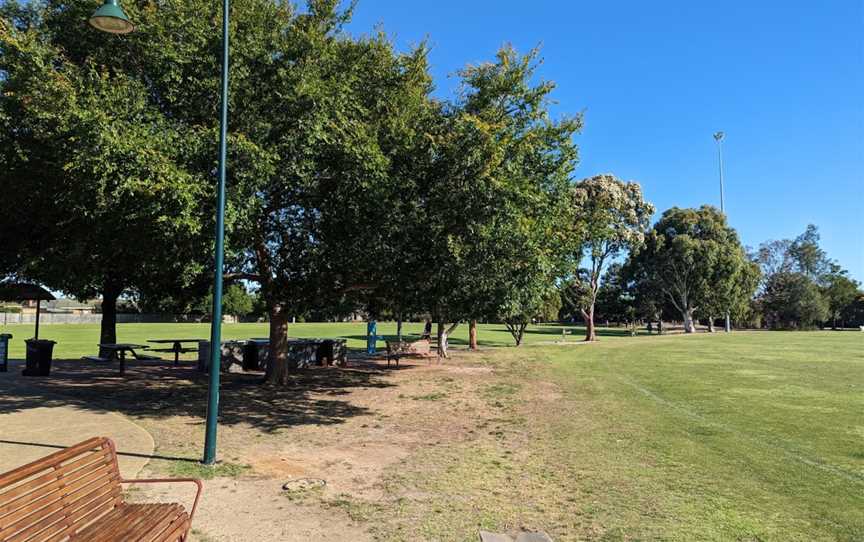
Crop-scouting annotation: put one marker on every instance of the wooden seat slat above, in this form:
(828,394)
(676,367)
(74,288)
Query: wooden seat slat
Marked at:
(47,483)
(28,515)
(168,525)
(158,521)
(180,526)
(75,494)
(32,529)
(56,492)
(107,525)
(135,522)
(57,529)
(9,478)
(50,531)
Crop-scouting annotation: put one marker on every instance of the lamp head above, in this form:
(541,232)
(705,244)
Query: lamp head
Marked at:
(111,18)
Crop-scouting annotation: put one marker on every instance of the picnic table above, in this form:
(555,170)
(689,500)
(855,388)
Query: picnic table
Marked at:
(176,347)
(119,350)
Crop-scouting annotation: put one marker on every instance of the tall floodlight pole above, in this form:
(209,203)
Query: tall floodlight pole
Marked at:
(718,137)
(110,17)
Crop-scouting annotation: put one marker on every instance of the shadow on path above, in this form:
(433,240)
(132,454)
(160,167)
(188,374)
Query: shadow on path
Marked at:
(313,396)
(125,454)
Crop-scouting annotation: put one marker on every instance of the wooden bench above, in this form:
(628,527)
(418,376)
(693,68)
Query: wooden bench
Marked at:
(396,350)
(75,495)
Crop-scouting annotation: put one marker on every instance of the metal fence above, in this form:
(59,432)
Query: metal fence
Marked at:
(9,318)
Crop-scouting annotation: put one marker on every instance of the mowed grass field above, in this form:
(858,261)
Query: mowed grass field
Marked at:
(76,340)
(749,436)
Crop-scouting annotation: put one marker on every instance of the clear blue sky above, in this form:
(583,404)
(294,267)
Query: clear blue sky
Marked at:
(784,80)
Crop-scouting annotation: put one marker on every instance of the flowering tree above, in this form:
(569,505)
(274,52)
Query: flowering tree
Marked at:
(613,217)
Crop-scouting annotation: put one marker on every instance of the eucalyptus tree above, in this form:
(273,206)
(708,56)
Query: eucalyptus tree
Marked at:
(695,260)
(614,216)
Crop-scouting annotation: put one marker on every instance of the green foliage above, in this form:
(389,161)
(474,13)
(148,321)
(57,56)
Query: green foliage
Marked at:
(839,291)
(791,300)
(696,261)
(93,166)
(612,217)
(801,286)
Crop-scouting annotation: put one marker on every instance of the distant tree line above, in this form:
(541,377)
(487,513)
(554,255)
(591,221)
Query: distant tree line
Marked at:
(786,284)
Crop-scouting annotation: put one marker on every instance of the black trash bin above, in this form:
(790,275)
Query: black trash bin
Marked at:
(39,354)
(250,356)
(4,352)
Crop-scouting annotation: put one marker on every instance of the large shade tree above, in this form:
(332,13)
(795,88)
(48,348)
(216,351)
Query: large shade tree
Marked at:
(97,199)
(694,258)
(491,197)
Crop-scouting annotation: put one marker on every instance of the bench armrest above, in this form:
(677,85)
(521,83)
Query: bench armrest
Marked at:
(195,481)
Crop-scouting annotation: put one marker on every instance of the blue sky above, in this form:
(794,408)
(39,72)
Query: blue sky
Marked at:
(783,80)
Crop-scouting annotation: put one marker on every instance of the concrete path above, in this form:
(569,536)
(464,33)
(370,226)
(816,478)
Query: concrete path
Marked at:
(30,433)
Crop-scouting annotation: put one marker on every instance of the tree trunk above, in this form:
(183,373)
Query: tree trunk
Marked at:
(278,367)
(442,341)
(660,327)
(472,335)
(108,327)
(590,333)
(399,327)
(710,324)
(689,326)
(443,336)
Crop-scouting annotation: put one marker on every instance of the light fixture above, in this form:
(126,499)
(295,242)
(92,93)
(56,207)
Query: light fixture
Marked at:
(110,17)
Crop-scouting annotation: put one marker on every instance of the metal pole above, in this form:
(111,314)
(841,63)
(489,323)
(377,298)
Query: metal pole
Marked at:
(720,162)
(719,138)
(38,310)
(216,323)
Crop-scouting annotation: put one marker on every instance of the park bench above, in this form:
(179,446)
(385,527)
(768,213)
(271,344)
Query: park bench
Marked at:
(396,349)
(75,495)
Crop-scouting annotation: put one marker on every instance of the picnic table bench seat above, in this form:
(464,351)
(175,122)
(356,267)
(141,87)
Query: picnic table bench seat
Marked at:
(75,495)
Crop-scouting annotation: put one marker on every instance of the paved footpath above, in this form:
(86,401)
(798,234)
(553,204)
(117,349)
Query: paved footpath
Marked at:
(30,433)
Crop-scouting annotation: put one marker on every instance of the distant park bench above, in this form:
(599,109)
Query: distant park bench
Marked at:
(75,494)
(396,349)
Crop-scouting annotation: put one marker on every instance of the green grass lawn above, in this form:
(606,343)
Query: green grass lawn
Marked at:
(76,340)
(748,436)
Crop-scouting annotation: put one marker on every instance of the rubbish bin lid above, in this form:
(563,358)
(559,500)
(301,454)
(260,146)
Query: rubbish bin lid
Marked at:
(40,341)
(5,335)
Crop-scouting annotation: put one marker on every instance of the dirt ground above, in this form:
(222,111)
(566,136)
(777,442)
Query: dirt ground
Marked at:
(332,436)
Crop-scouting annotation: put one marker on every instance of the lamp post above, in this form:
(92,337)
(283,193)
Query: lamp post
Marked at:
(718,137)
(110,17)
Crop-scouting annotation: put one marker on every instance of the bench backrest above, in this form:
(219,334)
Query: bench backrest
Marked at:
(57,496)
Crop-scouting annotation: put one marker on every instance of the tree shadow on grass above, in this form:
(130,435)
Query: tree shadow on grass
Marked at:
(316,396)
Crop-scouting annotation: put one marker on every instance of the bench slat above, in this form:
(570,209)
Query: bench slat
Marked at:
(75,494)
(22,472)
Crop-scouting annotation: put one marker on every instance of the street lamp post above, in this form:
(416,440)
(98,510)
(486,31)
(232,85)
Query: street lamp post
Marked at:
(718,137)
(110,17)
